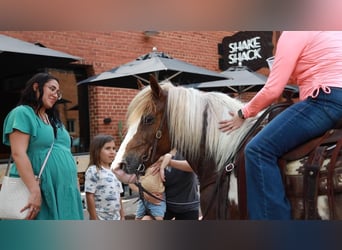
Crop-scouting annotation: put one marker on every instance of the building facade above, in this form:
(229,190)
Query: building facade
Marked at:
(86,109)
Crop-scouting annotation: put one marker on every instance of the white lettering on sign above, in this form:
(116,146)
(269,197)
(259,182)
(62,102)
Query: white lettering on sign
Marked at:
(245,50)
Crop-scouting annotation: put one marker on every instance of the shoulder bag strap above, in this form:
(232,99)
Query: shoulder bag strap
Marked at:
(45,161)
(8,165)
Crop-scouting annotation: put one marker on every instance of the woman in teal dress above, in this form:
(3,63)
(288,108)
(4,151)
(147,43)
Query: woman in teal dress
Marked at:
(30,129)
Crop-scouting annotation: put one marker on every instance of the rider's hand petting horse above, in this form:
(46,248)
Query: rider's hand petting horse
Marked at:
(314,60)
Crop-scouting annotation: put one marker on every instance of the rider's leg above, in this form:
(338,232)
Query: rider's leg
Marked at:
(297,124)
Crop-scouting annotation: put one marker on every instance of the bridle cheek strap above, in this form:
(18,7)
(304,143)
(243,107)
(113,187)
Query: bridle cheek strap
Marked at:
(157,137)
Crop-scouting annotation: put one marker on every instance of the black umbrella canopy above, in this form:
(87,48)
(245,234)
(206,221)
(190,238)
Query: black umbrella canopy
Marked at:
(239,79)
(17,56)
(162,65)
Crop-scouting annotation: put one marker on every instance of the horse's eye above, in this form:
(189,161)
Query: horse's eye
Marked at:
(148,119)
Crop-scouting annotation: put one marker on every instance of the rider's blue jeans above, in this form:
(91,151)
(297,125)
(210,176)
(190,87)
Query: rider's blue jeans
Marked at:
(297,124)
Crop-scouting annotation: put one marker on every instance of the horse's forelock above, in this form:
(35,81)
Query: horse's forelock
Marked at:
(143,103)
(138,106)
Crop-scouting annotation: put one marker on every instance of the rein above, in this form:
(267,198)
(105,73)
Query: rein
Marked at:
(141,197)
(230,163)
(168,202)
(221,181)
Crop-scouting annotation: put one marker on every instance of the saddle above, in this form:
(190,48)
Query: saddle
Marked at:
(312,172)
(312,175)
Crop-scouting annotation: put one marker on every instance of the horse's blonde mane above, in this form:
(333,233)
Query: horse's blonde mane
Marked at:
(186,110)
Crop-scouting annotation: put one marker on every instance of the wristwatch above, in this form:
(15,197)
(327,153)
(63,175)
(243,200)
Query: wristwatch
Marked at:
(240,114)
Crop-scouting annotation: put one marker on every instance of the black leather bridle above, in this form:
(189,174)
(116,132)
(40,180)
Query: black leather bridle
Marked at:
(151,156)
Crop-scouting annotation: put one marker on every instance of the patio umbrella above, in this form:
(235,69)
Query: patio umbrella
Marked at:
(240,79)
(17,57)
(161,64)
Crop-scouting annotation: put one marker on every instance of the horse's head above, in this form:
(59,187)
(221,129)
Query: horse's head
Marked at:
(147,135)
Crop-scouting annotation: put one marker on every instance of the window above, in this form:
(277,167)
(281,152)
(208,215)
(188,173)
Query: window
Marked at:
(71,125)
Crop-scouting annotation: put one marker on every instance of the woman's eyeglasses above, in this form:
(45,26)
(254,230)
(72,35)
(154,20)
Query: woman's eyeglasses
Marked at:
(54,90)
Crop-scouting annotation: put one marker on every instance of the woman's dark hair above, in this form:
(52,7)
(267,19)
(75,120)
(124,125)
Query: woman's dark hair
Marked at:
(29,97)
(95,149)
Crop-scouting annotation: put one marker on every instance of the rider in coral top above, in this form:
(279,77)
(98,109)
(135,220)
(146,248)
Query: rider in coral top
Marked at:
(314,60)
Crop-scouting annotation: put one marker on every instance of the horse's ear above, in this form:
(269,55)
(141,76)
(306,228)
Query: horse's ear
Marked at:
(156,89)
(140,84)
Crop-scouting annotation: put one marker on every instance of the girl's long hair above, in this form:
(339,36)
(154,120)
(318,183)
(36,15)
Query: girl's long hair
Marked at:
(29,97)
(95,149)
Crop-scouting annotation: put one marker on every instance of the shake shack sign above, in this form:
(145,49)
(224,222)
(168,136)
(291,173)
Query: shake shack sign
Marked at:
(248,48)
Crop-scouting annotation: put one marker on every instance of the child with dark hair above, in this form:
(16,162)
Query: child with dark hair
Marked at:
(102,188)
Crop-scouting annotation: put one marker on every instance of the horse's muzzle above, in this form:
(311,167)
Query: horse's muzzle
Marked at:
(121,173)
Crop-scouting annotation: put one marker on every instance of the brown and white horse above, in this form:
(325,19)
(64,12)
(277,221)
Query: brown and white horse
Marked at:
(162,117)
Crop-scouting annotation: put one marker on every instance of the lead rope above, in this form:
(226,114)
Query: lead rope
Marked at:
(138,172)
(142,198)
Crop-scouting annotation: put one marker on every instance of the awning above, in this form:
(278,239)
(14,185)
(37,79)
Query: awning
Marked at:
(227,85)
(17,56)
(240,79)
(161,64)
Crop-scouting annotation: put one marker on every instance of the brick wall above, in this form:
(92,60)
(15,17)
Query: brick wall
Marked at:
(106,50)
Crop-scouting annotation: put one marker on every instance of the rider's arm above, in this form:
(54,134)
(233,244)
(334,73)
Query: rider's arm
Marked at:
(289,48)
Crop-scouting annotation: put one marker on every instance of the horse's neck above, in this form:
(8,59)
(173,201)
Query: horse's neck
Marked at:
(203,168)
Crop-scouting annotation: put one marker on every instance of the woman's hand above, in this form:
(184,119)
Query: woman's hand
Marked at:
(33,204)
(230,125)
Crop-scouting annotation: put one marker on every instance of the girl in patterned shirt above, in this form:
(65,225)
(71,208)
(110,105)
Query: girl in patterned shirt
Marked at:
(102,188)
